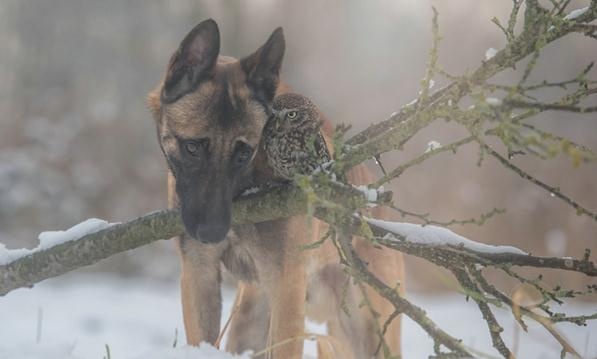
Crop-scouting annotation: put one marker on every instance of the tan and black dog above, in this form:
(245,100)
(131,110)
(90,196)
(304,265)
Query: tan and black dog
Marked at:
(210,111)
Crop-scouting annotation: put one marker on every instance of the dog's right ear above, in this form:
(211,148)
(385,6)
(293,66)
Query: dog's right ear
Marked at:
(263,66)
(194,60)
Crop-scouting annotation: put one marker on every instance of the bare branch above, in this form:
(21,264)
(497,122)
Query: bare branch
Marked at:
(553,191)
(278,202)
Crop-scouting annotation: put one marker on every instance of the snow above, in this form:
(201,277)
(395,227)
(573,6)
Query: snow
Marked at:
(138,319)
(429,87)
(438,236)
(576,13)
(414,101)
(53,238)
(64,351)
(251,190)
(432,146)
(187,352)
(493,101)
(370,193)
(490,53)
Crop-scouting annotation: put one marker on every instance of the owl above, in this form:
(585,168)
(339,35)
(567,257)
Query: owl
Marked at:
(292,140)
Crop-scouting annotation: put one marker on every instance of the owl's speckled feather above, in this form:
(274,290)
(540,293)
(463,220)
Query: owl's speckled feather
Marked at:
(292,138)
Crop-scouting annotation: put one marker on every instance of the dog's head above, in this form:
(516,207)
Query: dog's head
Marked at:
(210,112)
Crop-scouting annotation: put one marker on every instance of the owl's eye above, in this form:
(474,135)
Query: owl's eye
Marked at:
(291,114)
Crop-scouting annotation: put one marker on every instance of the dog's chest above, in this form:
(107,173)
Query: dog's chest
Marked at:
(237,257)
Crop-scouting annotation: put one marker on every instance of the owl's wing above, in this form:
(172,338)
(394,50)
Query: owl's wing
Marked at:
(321,151)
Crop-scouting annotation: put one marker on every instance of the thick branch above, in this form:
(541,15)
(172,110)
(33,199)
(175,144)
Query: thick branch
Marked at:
(60,259)
(279,202)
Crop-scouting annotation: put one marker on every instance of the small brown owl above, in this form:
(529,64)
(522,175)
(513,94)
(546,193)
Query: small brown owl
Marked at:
(292,139)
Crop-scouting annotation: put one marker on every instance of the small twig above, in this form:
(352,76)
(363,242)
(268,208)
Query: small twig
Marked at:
(432,63)
(551,106)
(384,330)
(554,191)
(425,217)
(377,159)
(494,328)
(417,160)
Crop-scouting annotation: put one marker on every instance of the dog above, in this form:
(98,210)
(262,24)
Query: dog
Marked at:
(210,111)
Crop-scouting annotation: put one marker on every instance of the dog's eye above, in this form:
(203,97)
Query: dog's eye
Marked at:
(291,114)
(192,147)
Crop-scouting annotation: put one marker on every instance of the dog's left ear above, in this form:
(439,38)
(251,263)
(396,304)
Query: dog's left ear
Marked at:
(263,66)
(194,61)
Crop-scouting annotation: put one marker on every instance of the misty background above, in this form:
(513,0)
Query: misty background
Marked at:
(77,141)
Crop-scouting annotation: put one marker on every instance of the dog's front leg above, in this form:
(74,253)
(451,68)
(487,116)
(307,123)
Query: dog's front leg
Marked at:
(287,321)
(200,287)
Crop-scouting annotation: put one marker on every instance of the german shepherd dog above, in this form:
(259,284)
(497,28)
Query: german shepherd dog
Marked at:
(210,111)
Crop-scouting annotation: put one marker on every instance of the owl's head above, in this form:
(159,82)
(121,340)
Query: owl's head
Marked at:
(294,112)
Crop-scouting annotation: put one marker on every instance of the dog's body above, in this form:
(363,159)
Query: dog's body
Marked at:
(210,112)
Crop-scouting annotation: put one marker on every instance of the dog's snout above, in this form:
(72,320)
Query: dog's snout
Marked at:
(211,232)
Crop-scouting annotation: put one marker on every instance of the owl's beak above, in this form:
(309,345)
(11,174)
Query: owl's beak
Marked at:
(281,126)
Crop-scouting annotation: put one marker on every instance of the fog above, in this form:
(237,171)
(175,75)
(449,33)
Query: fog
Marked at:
(77,141)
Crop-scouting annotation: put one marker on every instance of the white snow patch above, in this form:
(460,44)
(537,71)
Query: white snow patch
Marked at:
(251,190)
(576,13)
(438,236)
(204,351)
(53,238)
(77,322)
(412,102)
(431,83)
(493,101)
(490,53)
(432,146)
(370,193)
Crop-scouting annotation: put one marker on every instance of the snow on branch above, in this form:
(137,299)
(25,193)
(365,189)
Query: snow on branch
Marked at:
(423,240)
(49,239)
(81,246)
(435,236)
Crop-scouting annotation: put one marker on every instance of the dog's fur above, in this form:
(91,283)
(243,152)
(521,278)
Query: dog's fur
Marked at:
(220,105)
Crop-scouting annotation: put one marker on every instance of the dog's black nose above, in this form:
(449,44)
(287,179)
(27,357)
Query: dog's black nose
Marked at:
(211,232)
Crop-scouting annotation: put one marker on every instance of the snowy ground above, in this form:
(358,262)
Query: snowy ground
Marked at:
(79,316)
